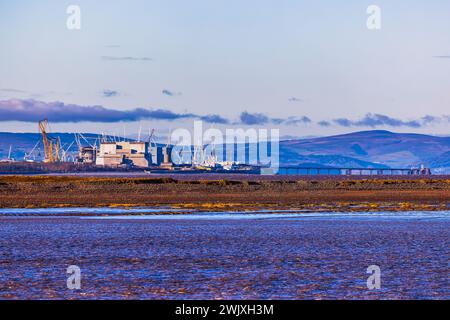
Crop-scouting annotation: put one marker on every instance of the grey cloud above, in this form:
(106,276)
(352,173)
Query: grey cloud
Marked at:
(324,123)
(33,111)
(297,120)
(373,120)
(430,119)
(170,93)
(214,118)
(295,99)
(442,57)
(343,122)
(376,120)
(110,93)
(247,118)
(253,118)
(30,110)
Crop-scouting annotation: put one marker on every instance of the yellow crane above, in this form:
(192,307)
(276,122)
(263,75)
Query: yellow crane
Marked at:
(52,146)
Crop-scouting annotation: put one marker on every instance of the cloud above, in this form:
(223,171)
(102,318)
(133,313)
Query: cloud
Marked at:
(442,57)
(33,111)
(446,118)
(376,120)
(214,118)
(253,118)
(343,122)
(324,123)
(430,119)
(115,58)
(297,120)
(170,93)
(110,93)
(295,99)
(247,118)
(30,110)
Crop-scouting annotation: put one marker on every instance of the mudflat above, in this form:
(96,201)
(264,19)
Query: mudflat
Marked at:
(228,192)
(226,259)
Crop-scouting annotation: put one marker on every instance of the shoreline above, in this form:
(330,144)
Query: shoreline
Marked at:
(315,193)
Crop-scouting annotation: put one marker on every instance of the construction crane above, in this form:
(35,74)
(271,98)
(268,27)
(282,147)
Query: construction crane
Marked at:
(65,151)
(79,137)
(52,146)
(151,139)
(10,153)
(31,156)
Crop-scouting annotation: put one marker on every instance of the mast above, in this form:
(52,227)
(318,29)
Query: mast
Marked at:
(9,153)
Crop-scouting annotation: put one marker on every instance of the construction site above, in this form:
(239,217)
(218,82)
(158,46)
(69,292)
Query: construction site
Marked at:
(93,152)
(111,153)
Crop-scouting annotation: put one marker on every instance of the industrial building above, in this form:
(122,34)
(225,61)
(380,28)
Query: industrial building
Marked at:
(87,155)
(124,153)
(114,154)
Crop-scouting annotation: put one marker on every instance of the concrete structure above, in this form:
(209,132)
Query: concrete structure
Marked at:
(167,158)
(114,154)
(86,155)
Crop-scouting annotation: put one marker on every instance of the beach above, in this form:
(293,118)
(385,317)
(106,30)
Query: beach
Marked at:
(228,192)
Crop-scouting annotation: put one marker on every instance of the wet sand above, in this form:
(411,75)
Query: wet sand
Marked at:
(228,259)
(328,193)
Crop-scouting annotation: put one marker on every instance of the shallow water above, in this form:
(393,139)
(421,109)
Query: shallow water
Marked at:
(224,255)
(259,215)
(168,213)
(77,211)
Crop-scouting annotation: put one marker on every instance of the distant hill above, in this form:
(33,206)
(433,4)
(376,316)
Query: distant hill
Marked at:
(401,150)
(327,161)
(441,163)
(366,149)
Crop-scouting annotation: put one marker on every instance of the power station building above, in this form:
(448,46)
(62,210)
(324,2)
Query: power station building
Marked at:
(114,154)
(86,155)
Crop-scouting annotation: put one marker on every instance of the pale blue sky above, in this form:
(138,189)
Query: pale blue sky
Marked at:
(224,57)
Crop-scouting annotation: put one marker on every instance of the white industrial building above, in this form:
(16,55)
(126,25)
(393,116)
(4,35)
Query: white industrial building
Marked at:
(113,154)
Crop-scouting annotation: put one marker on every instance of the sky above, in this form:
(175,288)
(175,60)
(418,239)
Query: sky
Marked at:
(307,67)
